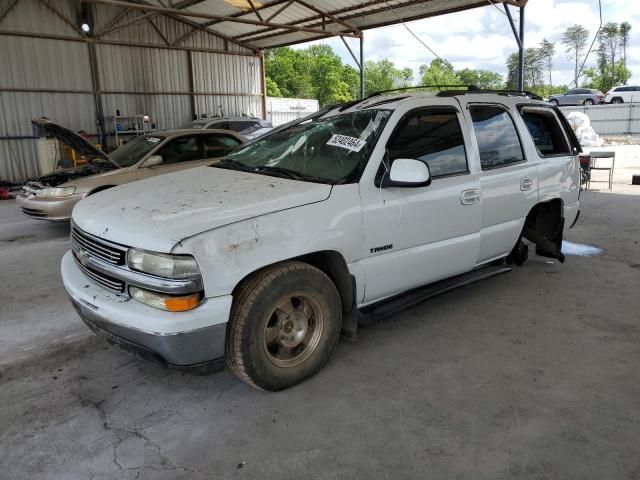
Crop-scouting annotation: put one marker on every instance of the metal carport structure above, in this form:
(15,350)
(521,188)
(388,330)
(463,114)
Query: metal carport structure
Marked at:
(80,61)
(278,23)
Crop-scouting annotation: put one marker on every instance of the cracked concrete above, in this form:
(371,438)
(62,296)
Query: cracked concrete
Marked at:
(531,375)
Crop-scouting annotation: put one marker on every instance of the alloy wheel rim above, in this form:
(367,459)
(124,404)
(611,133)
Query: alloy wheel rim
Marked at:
(293,330)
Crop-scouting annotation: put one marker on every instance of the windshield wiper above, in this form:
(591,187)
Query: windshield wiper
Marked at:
(232,165)
(292,174)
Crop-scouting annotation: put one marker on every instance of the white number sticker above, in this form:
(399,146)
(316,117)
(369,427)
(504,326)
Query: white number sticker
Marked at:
(343,141)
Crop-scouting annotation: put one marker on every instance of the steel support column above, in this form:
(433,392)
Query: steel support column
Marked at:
(519,36)
(361,66)
(521,53)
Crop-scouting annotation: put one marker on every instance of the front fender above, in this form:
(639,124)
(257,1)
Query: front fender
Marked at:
(228,254)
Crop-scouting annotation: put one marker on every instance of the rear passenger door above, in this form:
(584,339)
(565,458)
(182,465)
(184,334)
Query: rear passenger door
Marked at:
(509,182)
(555,157)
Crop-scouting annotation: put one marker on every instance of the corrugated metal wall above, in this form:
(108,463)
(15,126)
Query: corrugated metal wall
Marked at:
(621,119)
(52,77)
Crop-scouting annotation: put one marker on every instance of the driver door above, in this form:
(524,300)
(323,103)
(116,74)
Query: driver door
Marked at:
(177,154)
(415,236)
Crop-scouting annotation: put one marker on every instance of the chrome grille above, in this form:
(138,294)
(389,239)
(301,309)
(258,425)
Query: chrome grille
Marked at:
(106,251)
(106,281)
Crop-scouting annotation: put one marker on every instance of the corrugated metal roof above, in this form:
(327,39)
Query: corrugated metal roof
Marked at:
(275,23)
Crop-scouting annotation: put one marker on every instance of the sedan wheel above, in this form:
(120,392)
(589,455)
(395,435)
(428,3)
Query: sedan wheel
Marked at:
(588,101)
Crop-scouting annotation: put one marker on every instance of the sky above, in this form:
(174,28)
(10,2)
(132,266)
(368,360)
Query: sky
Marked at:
(481,38)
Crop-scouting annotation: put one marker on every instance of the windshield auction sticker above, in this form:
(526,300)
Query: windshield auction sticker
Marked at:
(343,141)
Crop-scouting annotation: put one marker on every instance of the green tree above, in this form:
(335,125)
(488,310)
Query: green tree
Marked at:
(480,78)
(575,41)
(534,71)
(547,52)
(384,75)
(272,88)
(611,66)
(439,72)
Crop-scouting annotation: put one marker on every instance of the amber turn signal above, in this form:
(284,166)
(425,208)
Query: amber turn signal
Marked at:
(181,304)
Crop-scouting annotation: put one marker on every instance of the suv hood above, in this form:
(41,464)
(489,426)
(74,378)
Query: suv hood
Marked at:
(159,212)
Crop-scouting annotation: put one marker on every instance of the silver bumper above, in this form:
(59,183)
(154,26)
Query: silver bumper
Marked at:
(179,350)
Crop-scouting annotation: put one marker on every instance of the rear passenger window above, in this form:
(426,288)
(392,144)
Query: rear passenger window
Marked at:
(432,135)
(497,137)
(546,132)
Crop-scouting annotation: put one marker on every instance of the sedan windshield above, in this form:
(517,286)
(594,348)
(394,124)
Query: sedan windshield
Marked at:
(194,124)
(334,150)
(131,153)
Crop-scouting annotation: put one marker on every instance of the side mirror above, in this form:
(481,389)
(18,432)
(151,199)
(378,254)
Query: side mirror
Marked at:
(408,172)
(152,161)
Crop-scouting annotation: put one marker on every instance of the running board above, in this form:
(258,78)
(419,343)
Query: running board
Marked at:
(373,313)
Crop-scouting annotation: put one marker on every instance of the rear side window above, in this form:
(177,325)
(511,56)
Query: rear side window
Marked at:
(432,135)
(546,132)
(497,137)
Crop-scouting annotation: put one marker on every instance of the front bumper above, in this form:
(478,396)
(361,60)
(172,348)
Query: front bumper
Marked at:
(48,208)
(175,339)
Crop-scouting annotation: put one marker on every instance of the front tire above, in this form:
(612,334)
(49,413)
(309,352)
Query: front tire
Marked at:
(588,101)
(617,100)
(284,325)
(554,102)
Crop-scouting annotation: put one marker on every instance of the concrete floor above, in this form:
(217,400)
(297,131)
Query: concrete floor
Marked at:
(533,374)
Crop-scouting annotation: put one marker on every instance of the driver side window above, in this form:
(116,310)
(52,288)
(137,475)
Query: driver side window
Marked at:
(434,136)
(183,149)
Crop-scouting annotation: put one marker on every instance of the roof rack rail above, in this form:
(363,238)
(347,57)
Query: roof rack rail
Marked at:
(498,91)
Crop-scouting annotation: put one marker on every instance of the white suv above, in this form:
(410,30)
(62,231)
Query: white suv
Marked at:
(623,94)
(264,258)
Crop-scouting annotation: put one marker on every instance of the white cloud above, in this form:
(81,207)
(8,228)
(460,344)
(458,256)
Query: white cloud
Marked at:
(482,37)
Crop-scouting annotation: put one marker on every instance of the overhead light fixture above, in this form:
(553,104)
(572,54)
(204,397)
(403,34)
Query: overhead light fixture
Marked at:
(85,27)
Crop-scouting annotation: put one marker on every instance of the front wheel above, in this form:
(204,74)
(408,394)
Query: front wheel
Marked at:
(616,100)
(554,102)
(284,325)
(588,101)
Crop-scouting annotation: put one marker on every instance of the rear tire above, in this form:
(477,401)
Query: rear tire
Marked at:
(284,325)
(554,102)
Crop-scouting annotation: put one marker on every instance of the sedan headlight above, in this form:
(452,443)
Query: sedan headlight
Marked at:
(163,265)
(57,191)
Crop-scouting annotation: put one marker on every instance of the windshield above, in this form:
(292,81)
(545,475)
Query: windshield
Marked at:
(132,152)
(333,150)
(194,124)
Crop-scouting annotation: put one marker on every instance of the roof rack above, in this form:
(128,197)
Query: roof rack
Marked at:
(454,89)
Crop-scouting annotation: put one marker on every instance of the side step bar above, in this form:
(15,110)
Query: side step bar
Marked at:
(373,313)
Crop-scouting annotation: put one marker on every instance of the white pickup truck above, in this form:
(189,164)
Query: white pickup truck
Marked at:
(264,258)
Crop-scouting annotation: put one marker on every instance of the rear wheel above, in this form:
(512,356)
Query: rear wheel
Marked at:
(553,102)
(284,325)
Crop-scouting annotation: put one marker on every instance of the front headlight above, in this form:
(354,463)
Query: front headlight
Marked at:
(163,265)
(57,191)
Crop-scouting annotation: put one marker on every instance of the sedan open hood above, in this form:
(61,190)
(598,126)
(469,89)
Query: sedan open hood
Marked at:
(80,144)
(159,212)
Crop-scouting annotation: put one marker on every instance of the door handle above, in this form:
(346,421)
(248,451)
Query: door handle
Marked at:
(526,183)
(470,197)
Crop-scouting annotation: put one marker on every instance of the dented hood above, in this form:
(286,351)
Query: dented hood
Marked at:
(157,213)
